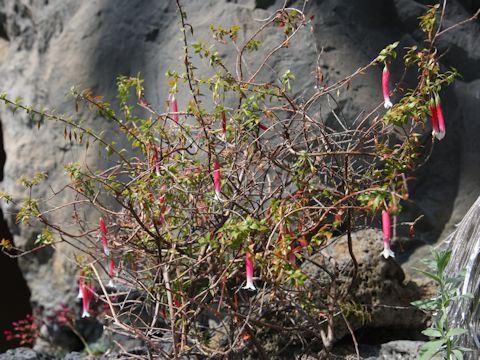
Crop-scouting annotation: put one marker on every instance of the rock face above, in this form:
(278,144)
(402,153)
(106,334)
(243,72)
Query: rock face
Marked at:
(393,350)
(46,46)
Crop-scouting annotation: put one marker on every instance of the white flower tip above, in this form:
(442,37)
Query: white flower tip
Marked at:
(106,250)
(111,284)
(218,197)
(85,314)
(439,135)
(388,104)
(80,295)
(249,286)
(386,253)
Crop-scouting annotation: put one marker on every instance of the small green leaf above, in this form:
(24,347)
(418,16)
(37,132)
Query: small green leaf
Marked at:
(427,304)
(6,197)
(458,354)
(432,276)
(430,348)
(466,296)
(456,332)
(443,259)
(432,332)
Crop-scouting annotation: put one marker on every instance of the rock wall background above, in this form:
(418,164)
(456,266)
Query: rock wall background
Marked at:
(46,46)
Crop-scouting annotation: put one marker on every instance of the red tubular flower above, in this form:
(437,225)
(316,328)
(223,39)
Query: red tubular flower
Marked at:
(386,97)
(80,286)
(87,295)
(111,273)
(174,109)
(441,123)
(249,271)
(103,236)
(103,227)
(387,252)
(217,179)
(433,111)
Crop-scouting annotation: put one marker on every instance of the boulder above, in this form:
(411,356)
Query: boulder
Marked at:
(381,294)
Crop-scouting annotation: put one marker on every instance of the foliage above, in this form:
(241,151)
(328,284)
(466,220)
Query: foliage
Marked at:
(24,331)
(443,336)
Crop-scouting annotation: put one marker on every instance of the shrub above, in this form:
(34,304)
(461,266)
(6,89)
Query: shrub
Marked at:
(241,176)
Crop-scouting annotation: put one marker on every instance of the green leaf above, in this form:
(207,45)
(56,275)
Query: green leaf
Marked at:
(378,200)
(6,197)
(458,354)
(466,296)
(430,263)
(432,276)
(456,332)
(462,349)
(44,238)
(443,259)
(432,332)
(427,304)
(430,348)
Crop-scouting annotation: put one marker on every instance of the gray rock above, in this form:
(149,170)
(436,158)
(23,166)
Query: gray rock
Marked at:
(381,287)
(393,350)
(23,353)
(401,349)
(76,356)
